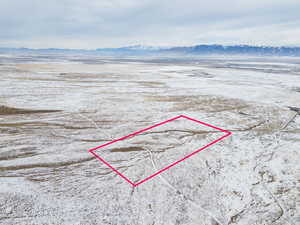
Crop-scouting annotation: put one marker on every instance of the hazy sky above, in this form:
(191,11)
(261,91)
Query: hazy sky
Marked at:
(115,23)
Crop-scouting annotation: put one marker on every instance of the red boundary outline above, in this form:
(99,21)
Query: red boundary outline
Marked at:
(168,167)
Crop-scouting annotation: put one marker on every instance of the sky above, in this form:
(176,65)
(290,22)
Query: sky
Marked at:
(90,24)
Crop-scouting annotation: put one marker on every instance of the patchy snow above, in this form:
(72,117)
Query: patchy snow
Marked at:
(47,175)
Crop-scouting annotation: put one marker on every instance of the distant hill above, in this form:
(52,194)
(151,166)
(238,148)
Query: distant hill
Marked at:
(150,50)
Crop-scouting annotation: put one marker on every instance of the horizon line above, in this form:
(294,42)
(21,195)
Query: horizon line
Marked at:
(159,47)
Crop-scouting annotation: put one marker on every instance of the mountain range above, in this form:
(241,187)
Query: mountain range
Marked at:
(153,50)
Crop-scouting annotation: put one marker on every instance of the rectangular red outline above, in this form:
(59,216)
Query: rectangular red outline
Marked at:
(168,167)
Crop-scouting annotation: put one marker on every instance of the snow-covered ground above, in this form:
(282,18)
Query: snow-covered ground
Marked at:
(53,112)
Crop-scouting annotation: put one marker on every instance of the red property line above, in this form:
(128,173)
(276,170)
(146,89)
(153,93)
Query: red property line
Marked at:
(112,168)
(156,125)
(188,156)
(168,167)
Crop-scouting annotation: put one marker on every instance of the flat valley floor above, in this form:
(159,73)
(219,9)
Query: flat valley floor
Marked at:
(54,108)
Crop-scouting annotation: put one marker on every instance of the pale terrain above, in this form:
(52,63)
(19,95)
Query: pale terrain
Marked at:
(54,109)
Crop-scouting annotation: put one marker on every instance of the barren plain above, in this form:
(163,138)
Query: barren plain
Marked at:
(53,109)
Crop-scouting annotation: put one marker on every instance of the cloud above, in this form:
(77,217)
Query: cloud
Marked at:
(114,23)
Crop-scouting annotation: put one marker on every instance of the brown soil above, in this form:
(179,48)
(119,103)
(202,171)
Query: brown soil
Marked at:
(5,110)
